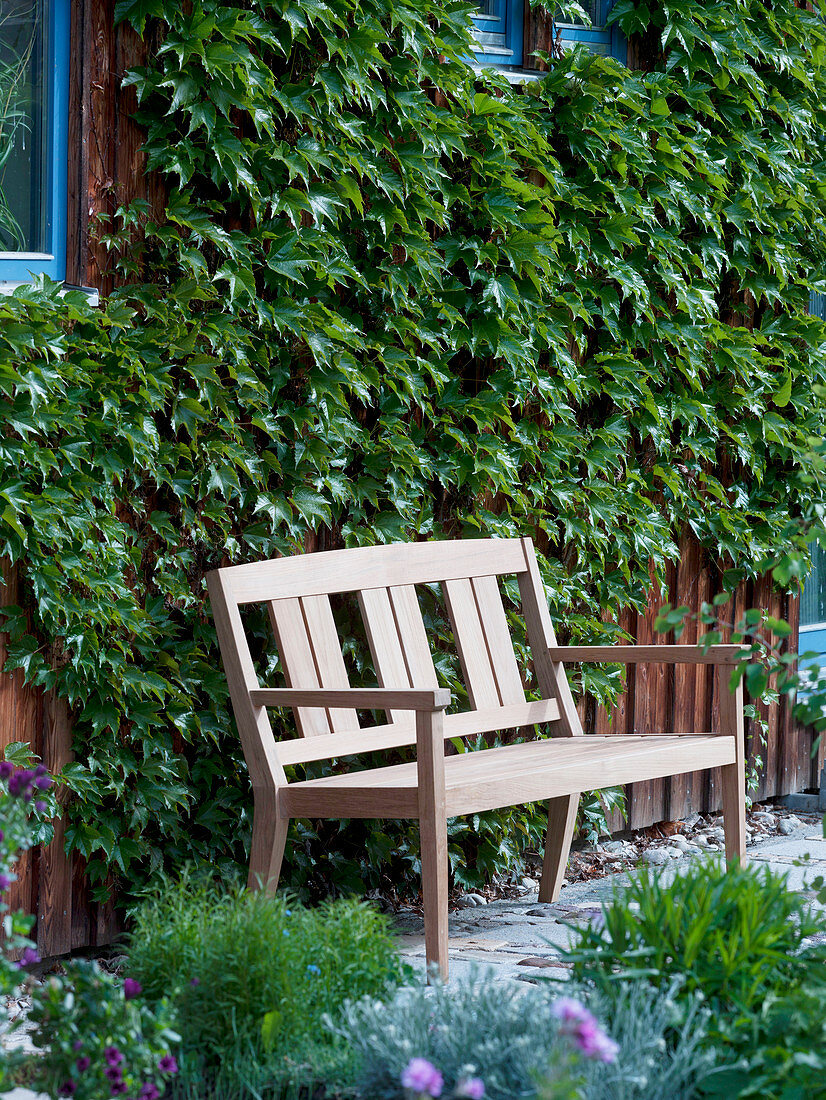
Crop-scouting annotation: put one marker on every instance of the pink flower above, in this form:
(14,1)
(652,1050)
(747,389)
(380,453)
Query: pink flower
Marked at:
(131,988)
(472,1088)
(422,1077)
(581,1025)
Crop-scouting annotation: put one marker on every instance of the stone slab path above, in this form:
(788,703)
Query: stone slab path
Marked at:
(513,939)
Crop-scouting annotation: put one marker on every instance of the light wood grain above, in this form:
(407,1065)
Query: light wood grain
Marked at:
(372,567)
(498,640)
(368,698)
(375,738)
(511,775)
(470,643)
(648,654)
(297,662)
(410,626)
(553,683)
(733,775)
(329,660)
(430,783)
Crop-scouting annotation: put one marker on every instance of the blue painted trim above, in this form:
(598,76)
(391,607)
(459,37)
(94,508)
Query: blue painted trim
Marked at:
(510,20)
(609,41)
(56,180)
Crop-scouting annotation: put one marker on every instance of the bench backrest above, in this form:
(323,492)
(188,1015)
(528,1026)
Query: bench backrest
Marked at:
(297,590)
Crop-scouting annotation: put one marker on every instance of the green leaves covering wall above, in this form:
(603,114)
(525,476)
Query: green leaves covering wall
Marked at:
(390,297)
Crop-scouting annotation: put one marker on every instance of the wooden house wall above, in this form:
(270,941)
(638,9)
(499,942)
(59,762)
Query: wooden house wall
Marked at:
(106,170)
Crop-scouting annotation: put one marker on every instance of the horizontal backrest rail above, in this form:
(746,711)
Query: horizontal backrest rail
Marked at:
(366,567)
(366,698)
(374,739)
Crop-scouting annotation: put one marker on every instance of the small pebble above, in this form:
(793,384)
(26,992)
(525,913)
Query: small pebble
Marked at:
(655,856)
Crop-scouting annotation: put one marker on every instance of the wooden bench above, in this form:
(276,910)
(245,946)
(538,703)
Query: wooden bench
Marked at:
(297,590)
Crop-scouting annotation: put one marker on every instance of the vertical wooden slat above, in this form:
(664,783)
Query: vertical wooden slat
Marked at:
(385,645)
(297,661)
(77,244)
(329,660)
(470,642)
(412,635)
(685,793)
(498,640)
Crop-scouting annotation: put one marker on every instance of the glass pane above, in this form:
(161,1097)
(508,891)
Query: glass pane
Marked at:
(23,124)
(487,7)
(592,7)
(813,600)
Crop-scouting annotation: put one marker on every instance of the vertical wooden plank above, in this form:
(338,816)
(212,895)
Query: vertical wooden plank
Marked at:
(652,713)
(412,636)
(385,645)
(430,763)
(298,662)
(470,642)
(81,905)
(20,717)
(329,660)
(102,133)
(77,251)
(54,915)
(498,640)
(683,798)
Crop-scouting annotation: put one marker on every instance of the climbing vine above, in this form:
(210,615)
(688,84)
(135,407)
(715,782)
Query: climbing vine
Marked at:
(389,297)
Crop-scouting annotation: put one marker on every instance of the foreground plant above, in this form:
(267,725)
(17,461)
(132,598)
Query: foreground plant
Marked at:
(98,1038)
(27,804)
(252,975)
(484,1037)
(738,938)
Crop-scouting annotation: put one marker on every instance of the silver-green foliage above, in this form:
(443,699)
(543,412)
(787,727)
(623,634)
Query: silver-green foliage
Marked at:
(507,1035)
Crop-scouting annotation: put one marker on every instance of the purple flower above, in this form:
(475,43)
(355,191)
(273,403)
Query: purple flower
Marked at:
(168,1064)
(83,1063)
(40,770)
(2,836)
(43,782)
(581,1025)
(194,981)
(473,1088)
(5,883)
(113,1074)
(117,1088)
(422,1076)
(68,1088)
(131,988)
(77,1044)
(21,782)
(113,1056)
(28,957)
(6,769)
(40,806)
(149,1091)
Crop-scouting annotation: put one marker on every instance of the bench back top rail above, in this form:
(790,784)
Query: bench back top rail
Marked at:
(296,592)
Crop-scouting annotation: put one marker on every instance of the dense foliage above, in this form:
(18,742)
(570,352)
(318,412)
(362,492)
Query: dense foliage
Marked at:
(251,977)
(738,938)
(388,297)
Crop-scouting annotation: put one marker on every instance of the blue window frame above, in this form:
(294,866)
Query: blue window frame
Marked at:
(608,41)
(498,30)
(34,122)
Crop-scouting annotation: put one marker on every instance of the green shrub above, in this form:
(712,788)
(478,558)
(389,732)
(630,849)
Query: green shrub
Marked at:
(97,1037)
(733,935)
(510,1037)
(251,973)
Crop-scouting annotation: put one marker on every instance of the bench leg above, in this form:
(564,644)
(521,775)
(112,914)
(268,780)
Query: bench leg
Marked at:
(733,776)
(561,824)
(269,838)
(433,835)
(734,810)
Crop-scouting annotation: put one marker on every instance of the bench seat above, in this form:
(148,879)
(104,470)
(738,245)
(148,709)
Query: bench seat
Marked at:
(510,775)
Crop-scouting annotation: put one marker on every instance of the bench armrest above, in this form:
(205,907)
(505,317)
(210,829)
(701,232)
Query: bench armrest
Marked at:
(638,654)
(418,699)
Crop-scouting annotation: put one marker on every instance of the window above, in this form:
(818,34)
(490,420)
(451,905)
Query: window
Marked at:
(498,29)
(598,38)
(34,90)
